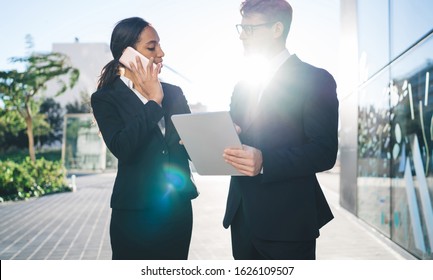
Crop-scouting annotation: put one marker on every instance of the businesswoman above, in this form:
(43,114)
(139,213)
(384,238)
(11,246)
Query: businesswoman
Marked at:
(151,200)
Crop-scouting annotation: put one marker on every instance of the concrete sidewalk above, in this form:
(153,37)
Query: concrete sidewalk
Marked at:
(75,225)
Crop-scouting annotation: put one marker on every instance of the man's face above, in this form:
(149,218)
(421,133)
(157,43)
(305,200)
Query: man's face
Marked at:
(257,35)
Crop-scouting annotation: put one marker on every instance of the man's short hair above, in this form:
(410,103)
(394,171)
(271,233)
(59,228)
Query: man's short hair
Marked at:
(272,10)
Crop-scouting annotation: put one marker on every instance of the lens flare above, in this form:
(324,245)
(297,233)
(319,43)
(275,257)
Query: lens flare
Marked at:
(175,178)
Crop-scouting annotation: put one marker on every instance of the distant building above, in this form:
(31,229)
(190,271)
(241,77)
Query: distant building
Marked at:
(89,59)
(197,108)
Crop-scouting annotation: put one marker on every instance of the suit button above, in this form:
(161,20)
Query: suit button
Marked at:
(164,152)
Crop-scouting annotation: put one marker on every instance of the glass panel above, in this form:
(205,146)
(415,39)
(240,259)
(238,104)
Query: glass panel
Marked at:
(84,149)
(412,140)
(373,34)
(374,154)
(410,20)
(348,151)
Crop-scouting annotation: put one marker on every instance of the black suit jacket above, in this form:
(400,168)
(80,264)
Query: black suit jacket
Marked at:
(296,128)
(151,168)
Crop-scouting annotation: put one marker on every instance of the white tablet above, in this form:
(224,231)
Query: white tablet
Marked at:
(205,136)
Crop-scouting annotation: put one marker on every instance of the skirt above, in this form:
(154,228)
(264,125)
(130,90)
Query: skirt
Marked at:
(158,233)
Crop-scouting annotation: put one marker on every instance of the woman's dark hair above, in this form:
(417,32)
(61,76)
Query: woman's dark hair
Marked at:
(125,33)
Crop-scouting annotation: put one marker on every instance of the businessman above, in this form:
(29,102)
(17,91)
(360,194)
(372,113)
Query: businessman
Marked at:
(288,125)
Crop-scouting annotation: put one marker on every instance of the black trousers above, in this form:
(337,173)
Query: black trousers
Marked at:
(245,246)
(160,233)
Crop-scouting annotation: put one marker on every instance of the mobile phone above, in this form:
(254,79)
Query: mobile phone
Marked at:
(129,55)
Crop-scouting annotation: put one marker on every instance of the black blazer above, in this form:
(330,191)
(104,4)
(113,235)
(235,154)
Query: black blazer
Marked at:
(296,128)
(151,168)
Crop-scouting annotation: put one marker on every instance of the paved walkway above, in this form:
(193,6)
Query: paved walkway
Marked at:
(75,225)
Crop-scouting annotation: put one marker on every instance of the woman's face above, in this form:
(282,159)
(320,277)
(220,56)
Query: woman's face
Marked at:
(148,44)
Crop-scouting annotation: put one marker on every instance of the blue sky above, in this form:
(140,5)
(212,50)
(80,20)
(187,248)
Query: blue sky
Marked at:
(198,37)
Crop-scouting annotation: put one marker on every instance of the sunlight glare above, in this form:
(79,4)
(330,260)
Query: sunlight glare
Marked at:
(255,70)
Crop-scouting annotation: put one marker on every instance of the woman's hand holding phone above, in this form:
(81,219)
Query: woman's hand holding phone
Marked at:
(144,76)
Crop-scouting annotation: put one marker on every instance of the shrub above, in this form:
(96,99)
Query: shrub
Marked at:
(27,179)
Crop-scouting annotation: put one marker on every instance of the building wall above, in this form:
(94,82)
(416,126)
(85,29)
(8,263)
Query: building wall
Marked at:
(89,58)
(347,82)
(388,151)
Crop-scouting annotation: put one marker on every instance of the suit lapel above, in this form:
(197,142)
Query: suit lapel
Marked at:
(132,102)
(168,106)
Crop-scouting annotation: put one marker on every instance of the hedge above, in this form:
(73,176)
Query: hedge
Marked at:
(20,181)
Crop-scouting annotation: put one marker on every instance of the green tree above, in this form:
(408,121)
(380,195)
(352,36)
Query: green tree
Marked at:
(82,106)
(11,128)
(53,113)
(19,90)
